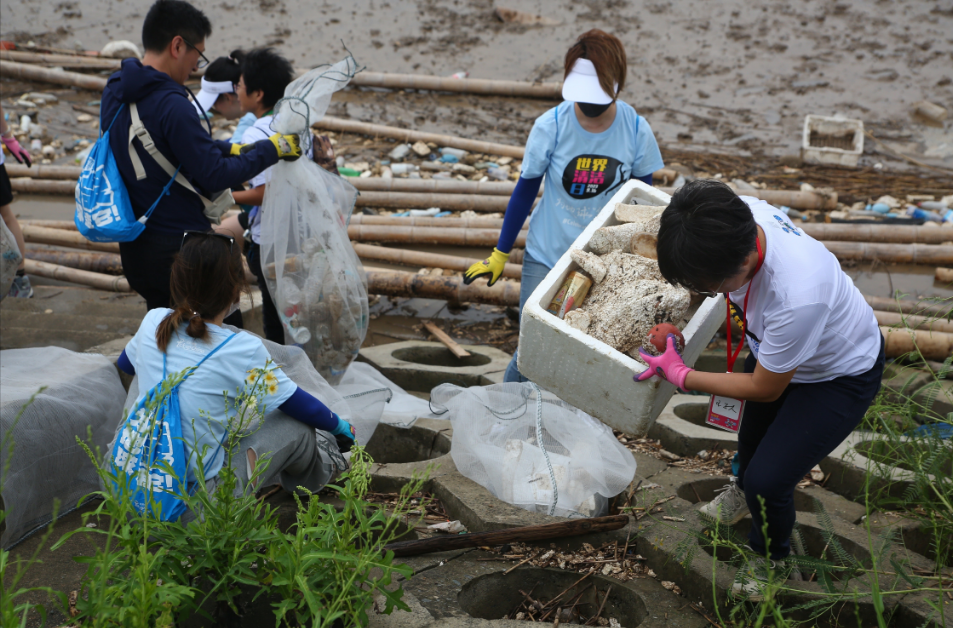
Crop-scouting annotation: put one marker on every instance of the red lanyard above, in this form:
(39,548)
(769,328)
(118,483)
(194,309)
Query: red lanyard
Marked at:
(744,322)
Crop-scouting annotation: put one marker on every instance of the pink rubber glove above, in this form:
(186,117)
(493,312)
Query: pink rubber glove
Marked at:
(669,366)
(16,150)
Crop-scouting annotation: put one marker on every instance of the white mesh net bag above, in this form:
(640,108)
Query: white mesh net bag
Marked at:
(82,391)
(534,451)
(314,275)
(10,258)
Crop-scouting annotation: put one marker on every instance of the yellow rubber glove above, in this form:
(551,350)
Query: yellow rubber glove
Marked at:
(238,149)
(492,267)
(288,146)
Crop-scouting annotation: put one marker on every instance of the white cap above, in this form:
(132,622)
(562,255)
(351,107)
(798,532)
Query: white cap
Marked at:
(210,92)
(582,85)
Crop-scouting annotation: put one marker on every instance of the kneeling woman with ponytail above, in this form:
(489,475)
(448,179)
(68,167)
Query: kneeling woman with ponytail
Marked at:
(207,280)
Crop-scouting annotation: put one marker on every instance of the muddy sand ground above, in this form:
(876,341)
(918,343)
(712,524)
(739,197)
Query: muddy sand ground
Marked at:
(731,76)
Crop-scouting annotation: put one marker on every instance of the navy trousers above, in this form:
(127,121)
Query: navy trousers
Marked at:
(779,442)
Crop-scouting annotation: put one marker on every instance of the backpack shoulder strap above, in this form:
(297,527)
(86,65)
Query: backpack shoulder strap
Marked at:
(212,352)
(138,129)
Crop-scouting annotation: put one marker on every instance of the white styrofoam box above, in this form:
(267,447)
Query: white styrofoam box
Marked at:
(588,373)
(839,141)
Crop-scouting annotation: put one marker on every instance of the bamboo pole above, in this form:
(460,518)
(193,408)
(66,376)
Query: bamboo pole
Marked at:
(447,341)
(454,202)
(40,186)
(896,319)
(426,260)
(28,72)
(406,135)
(107,263)
(445,186)
(484,87)
(931,254)
(542,532)
(933,345)
(37,171)
(944,275)
(63,61)
(62,237)
(452,289)
(790,198)
(83,277)
(428,235)
(899,234)
(66,225)
(429,221)
(942,309)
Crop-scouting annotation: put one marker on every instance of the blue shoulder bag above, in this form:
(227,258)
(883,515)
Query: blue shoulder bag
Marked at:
(103,210)
(149,457)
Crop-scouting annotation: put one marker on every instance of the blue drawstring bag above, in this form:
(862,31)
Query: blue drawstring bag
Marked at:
(103,210)
(148,458)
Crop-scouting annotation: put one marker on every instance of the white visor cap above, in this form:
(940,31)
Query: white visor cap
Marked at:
(210,92)
(582,85)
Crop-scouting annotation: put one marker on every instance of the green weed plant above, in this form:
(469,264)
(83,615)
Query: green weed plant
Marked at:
(328,569)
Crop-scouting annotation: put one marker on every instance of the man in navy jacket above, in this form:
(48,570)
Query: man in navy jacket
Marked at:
(173,35)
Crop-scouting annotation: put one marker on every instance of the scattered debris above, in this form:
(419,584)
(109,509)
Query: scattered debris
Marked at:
(612,559)
(512,16)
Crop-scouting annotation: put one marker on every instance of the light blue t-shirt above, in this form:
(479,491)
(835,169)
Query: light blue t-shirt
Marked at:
(222,374)
(244,122)
(583,170)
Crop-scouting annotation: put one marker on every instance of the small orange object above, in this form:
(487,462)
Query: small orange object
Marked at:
(657,336)
(7,45)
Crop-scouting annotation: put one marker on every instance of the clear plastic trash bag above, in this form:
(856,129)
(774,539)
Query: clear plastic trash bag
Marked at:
(83,397)
(313,274)
(532,450)
(10,258)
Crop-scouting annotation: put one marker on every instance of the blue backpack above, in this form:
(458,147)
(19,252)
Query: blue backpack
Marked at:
(103,210)
(148,457)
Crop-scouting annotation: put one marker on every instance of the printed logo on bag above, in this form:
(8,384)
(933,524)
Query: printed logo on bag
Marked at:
(587,176)
(786,226)
(95,205)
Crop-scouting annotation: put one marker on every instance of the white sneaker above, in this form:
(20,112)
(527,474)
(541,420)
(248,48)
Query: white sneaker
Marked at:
(728,508)
(750,582)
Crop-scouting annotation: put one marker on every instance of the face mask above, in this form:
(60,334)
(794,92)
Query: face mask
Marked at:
(592,111)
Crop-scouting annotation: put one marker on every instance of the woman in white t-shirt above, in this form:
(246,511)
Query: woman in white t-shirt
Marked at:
(816,351)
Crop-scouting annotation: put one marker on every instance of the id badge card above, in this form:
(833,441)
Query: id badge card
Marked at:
(725,412)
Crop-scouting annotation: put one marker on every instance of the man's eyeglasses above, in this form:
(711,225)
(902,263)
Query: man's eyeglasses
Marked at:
(207,234)
(202,61)
(706,293)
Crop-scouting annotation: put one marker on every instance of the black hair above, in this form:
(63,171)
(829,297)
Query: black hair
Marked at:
(168,18)
(706,233)
(266,70)
(226,68)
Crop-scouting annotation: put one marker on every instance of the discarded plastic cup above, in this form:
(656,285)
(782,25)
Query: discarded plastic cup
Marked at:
(456,152)
(400,151)
(403,168)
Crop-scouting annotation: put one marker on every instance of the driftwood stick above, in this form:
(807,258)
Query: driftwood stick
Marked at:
(63,237)
(452,289)
(562,529)
(447,341)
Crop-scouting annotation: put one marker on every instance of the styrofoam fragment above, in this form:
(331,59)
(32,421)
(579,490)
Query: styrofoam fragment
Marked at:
(644,214)
(619,237)
(632,300)
(578,319)
(589,263)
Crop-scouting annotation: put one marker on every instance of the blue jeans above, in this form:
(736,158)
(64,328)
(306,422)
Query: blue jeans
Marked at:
(533,274)
(781,440)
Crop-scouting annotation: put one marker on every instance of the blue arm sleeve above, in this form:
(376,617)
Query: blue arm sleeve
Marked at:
(517,210)
(125,365)
(301,406)
(647,179)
